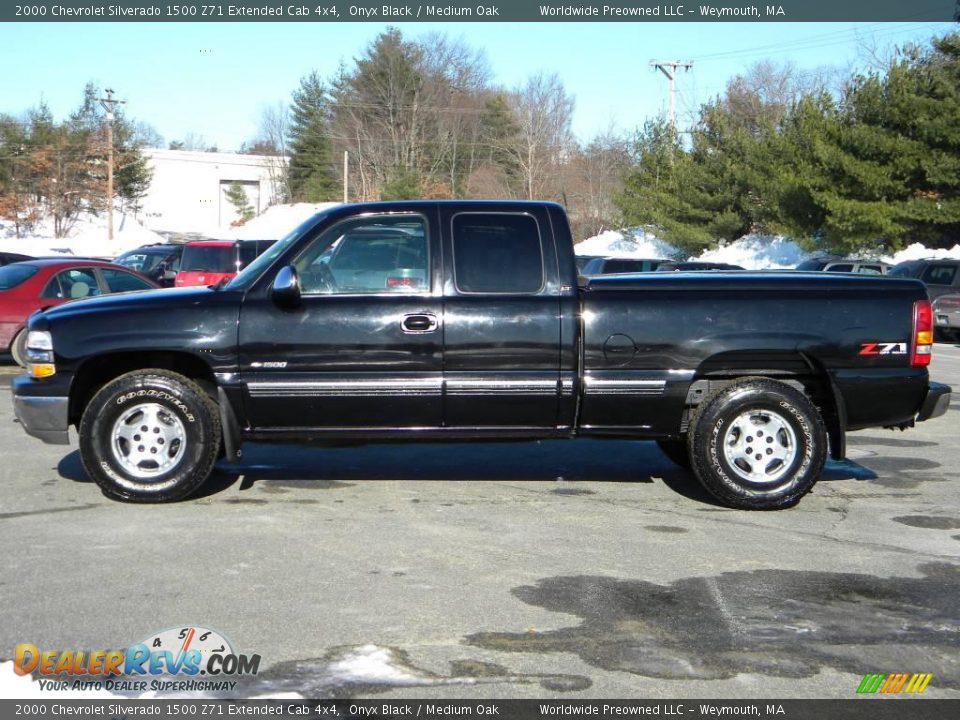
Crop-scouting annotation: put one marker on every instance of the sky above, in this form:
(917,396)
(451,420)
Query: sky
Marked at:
(215,79)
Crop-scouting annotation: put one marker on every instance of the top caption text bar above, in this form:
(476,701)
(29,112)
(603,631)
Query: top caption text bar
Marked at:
(480,11)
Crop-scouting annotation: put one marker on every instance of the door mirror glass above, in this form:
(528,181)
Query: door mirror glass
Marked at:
(286,287)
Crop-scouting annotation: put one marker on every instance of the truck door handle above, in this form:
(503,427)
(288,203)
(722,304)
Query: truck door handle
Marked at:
(419,323)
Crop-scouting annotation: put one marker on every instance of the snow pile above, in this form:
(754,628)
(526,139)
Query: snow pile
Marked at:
(87,238)
(275,222)
(758,252)
(917,251)
(633,242)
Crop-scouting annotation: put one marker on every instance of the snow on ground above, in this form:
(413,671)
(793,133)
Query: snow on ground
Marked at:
(274,223)
(633,242)
(918,252)
(754,252)
(87,238)
(758,252)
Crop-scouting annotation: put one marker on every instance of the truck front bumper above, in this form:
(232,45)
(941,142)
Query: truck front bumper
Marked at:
(42,416)
(935,403)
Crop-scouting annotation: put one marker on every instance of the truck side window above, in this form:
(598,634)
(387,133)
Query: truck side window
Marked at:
(367,255)
(494,253)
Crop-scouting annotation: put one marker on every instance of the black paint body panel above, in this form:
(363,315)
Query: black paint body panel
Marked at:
(616,357)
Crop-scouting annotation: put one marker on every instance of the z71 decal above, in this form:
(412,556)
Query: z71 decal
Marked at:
(883,348)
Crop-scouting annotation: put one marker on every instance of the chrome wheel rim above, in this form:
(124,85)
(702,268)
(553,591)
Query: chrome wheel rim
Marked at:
(760,446)
(148,440)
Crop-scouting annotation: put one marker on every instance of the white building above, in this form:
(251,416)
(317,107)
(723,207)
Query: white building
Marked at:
(188,191)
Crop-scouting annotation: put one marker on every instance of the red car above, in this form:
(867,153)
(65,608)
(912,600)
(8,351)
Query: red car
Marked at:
(208,262)
(39,284)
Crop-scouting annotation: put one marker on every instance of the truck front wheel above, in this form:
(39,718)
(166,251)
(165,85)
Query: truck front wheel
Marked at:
(757,444)
(149,436)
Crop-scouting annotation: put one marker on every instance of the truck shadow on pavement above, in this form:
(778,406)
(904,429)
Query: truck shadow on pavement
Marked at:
(570,465)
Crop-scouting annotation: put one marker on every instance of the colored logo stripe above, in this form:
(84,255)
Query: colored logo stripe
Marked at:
(918,683)
(892,683)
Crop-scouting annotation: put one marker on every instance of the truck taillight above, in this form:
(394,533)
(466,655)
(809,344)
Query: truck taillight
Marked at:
(922,334)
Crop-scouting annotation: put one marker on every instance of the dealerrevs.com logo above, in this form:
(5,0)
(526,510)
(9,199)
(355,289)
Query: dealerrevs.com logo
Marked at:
(184,653)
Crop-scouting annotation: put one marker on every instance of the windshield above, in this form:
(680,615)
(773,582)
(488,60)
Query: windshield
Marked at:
(246,277)
(141,261)
(13,275)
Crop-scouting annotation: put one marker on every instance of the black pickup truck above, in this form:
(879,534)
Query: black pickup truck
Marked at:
(468,321)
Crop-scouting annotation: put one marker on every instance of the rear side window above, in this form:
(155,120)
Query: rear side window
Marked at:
(497,253)
(940,274)
(72,284)
(811,265)
(843,267)
(870,270)
(209,258)
(13,275)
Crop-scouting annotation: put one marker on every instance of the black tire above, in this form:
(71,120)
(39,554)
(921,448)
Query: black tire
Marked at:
(170,406)
(18,348)
(676,451)
(723,447)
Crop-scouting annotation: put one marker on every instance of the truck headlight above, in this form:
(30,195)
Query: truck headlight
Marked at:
(39,354)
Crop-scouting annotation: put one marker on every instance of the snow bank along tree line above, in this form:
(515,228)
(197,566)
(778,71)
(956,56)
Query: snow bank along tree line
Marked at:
(872,167)
(56,170)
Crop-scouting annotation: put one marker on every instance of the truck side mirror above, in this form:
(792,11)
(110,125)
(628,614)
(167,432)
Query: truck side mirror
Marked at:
(286,287)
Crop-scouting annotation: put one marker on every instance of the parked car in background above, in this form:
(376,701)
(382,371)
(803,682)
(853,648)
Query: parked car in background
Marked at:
(946,317)
(611,266)
(696,266)
(582,260)
(43,283)
(849,265)
(10,257)
(940,276)
(208,262)
(158,262)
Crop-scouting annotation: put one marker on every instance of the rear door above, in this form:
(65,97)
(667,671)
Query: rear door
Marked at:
(502,320)
(364,348)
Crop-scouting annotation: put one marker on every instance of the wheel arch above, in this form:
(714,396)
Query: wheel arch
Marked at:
(797,368)
(97,371)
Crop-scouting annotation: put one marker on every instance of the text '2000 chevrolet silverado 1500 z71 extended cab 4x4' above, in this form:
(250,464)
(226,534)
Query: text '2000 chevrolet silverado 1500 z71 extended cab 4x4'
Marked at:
(467,321)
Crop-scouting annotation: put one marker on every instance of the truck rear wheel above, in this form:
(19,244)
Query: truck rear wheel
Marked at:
(149,436)
(757,444)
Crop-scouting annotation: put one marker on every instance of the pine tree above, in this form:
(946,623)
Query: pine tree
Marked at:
(237,197)
(312,175)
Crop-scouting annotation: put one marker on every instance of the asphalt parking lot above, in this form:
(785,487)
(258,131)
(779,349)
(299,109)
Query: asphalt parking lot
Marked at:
(548,569)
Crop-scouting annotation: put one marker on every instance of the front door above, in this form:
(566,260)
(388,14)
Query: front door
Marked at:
(364,348)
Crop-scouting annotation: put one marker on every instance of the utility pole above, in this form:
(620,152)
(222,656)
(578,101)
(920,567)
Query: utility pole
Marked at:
(109,104)
(669,69)
(346,171)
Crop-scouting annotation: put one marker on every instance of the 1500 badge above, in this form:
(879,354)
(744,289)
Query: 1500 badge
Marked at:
(883,348)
